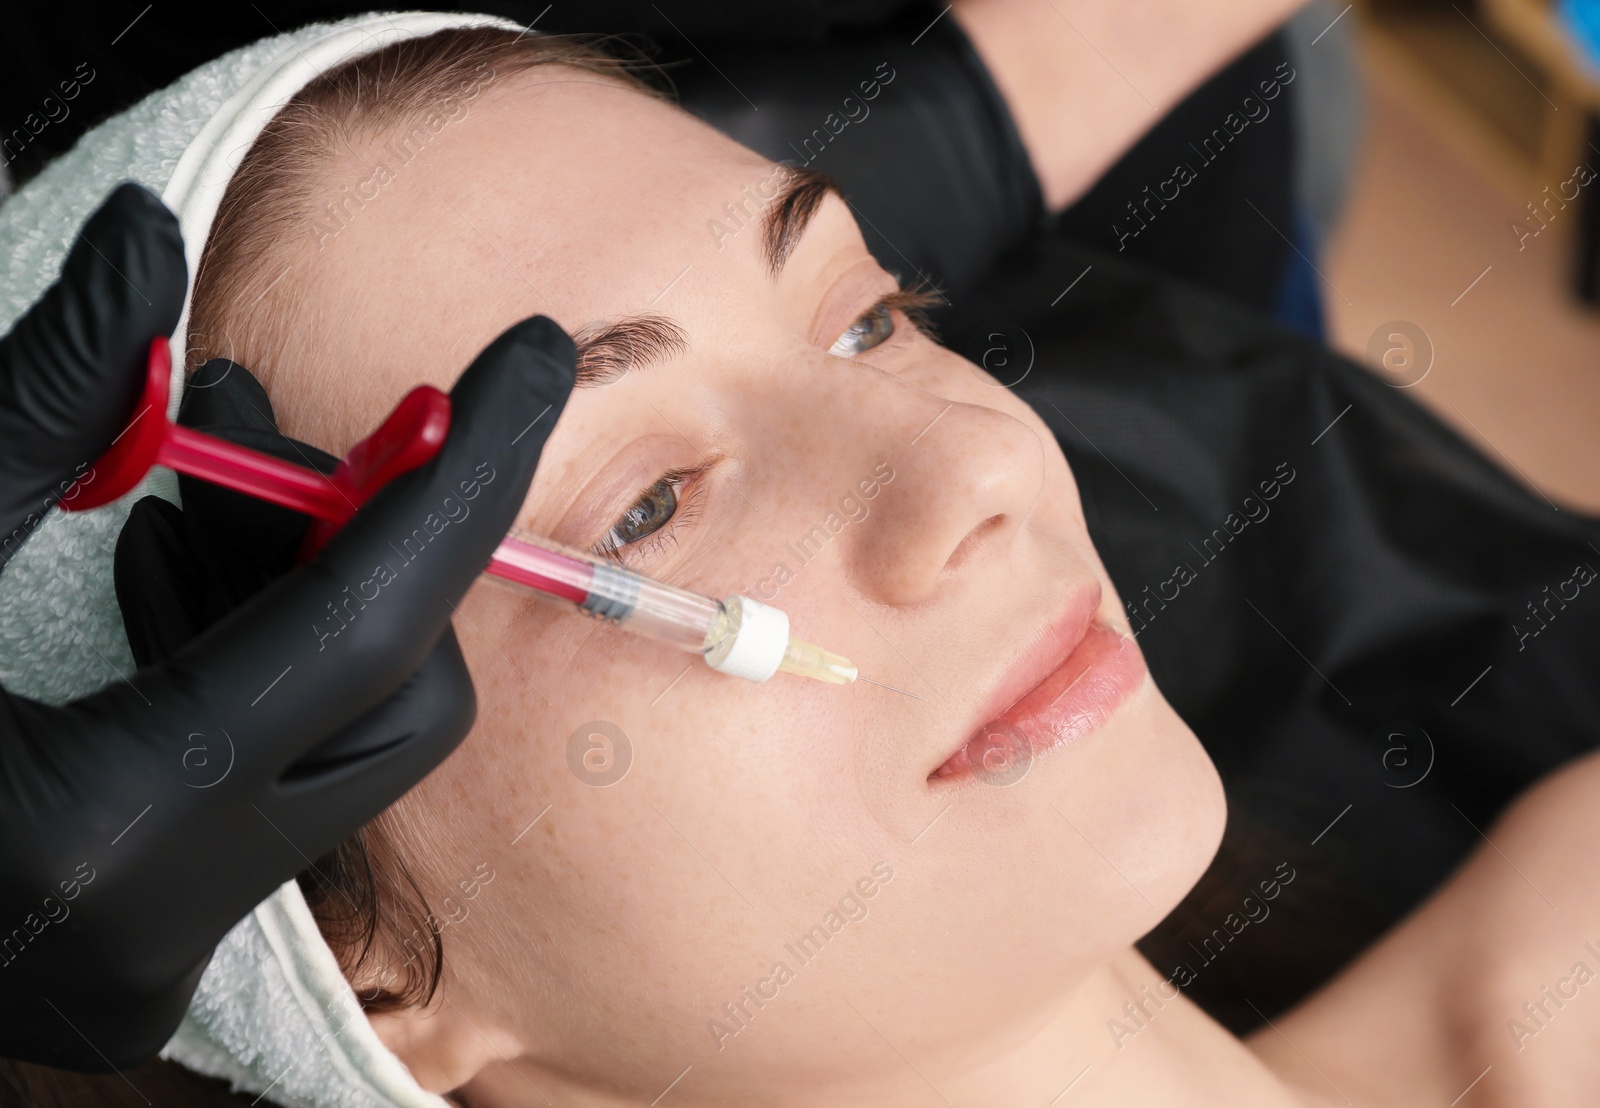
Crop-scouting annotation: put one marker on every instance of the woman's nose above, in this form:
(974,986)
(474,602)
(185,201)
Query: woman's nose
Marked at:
(961,480)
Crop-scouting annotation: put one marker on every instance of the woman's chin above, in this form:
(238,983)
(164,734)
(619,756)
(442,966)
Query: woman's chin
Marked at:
(1146,796)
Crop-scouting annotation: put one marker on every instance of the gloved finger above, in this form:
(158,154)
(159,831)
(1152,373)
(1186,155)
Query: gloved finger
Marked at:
(251,539)
(325,644)
(178,572)
(355,774)
(72,368)
(223,396)
(163,580)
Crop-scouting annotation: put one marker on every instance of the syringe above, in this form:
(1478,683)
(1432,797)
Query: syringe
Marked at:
(737,635)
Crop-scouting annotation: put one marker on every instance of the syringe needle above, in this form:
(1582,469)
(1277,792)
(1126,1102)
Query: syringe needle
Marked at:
(813,661)
(891,688)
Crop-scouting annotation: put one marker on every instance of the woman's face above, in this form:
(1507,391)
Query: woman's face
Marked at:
(903,508)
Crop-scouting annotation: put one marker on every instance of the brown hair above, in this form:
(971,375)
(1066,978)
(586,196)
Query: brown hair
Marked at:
(362,895)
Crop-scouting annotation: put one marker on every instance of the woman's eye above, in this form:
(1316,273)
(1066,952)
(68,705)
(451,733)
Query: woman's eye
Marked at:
(658,517)
(872,328)
(649,514)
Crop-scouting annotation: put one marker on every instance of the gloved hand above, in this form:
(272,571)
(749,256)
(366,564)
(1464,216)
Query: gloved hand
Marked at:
(906,120)
(137,825)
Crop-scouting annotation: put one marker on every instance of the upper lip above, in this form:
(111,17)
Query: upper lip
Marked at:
(1040,655)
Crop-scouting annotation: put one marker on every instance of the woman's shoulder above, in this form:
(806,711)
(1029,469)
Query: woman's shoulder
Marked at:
(1488,994)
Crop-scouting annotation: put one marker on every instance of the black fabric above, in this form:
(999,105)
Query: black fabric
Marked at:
(1229,228)
(1388,590)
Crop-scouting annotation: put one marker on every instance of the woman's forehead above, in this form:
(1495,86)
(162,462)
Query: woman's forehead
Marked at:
(560,193)
(599,186)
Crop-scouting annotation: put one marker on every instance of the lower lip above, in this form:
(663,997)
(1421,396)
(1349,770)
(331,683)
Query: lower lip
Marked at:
(1101,672)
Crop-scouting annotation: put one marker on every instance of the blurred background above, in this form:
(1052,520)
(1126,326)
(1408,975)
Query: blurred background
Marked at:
(1479,115)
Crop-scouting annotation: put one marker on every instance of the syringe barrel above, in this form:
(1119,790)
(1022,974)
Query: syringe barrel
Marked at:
(738,636)
(610,592)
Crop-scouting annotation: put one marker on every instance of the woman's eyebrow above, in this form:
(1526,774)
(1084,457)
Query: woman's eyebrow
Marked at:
(608,350)
(787,215)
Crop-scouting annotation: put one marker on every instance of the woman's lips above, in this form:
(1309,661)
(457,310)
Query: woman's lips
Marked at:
(1072,700)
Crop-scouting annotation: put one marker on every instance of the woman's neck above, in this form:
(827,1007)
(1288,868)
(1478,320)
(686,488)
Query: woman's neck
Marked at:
(1126,1037)
(1123,1038)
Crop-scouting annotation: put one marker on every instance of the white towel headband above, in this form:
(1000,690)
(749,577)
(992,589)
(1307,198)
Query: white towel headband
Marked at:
(273,1013)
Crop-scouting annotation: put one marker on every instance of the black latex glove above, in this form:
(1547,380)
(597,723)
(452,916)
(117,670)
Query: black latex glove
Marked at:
(72,368)
(906,120)
(140,823)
